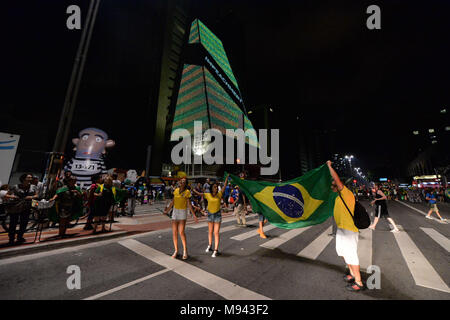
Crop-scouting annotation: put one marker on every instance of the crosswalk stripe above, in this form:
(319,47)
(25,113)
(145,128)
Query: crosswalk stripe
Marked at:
(126,285)
(365,249)
(315,248)
(439,238)
(246,235)
(234,227)
(278,241)
(411,207)
(421,270)
(220,286)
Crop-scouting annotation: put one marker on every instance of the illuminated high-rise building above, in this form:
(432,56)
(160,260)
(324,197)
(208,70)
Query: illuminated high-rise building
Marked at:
(209,91)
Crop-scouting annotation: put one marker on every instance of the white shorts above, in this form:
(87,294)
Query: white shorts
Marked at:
(347,246)
(179,214)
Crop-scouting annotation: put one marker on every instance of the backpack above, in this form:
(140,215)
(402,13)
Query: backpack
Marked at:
(360,216)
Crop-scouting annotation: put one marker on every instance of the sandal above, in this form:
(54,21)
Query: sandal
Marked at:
(349,278)
(175,254)
(185,256)
(355,287)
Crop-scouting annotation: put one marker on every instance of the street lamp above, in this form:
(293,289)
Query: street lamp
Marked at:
(349,158)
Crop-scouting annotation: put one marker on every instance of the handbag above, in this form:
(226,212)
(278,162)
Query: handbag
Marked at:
(360,217)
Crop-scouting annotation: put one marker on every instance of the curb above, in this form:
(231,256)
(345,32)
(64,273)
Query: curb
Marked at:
(39,247)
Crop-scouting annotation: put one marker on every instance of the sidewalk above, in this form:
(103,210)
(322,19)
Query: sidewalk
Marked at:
(144,220)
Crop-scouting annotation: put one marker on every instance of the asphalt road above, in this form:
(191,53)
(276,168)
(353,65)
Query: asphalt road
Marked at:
(288,265)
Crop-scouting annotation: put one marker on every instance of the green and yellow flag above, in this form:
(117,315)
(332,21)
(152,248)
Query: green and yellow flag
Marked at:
(297,203)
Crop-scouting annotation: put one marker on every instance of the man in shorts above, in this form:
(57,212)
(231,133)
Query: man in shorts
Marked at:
(432,201)
(347,234)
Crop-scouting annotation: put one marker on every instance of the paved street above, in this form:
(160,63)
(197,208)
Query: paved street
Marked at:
(290,264)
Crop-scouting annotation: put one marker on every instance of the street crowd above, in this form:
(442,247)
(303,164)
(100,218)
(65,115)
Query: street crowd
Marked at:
(108,197)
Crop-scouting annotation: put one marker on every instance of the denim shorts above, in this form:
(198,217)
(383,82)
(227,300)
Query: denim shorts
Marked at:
(261,217)
(215,217)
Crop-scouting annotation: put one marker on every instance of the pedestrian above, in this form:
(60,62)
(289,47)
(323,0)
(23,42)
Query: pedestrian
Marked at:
(104,200)
(206,189)
(68,205)
(261,221)
(432,199)
(381,210)
(240,209)
(180,204)
(214,216)
(347,233)
(18,207)
(132,191)
(226,195)
(3,192)
(97,181)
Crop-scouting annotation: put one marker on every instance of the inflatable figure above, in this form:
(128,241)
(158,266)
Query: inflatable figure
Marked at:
(90,148)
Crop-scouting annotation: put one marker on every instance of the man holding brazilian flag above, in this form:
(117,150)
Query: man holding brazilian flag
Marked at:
(308,200)
(297,203)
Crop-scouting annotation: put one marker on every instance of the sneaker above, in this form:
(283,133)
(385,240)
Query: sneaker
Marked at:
(395,230)
(428,217)
(208,248)
(215,253)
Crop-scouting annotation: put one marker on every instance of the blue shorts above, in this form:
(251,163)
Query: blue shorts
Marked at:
(261,217)
(215,217)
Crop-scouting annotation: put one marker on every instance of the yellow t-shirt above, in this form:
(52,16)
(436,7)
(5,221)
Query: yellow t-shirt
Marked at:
(180,200)
(213,202)
(341,215)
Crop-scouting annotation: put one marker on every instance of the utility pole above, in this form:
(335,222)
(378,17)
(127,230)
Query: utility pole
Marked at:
(56,157)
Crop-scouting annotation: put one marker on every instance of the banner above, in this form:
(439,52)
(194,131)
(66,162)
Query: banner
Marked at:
(8,149)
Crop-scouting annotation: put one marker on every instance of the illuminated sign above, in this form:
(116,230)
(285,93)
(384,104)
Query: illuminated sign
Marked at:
(383,179)
(427,177)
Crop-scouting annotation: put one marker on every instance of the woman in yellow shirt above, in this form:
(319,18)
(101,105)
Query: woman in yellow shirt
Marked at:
(214,216)
(180,204)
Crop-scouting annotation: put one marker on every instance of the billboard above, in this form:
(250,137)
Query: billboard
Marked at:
(8,149)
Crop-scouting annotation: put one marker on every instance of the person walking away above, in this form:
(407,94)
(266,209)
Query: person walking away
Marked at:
(214,216)
(347,234)
(381,210)
(240,208)
(68,206)
(180,204)
(104,199)
(432,201)
(19,199)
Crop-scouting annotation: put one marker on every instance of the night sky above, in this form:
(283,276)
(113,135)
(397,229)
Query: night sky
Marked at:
(312,59)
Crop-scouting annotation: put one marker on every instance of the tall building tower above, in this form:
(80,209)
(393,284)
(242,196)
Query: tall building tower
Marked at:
(208,90)
(174,41)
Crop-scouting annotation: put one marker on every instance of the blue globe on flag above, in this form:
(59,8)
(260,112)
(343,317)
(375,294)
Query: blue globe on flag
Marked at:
(289,200)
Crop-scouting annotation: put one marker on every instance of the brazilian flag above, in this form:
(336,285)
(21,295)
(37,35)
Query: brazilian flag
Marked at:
(297,203)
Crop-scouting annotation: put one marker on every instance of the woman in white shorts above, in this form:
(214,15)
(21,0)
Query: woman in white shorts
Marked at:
(181,205)
(347,234)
